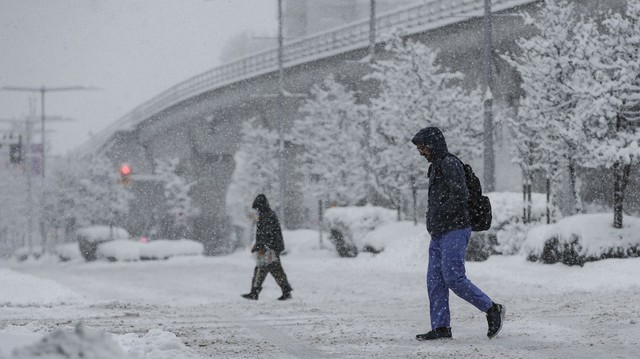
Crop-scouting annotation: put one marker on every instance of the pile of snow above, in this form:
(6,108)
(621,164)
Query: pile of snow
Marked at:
(165,248)
(19,336)
(156,344)
(129,250)
(353,223)
(17,289)
(101,233)
(33,340)
(85,342)
(583,238)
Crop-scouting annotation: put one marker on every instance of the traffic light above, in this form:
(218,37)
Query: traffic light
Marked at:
(125,175)
(15,153)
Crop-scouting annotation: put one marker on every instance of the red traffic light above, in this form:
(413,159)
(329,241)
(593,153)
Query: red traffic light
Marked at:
(125,170)
(125,175)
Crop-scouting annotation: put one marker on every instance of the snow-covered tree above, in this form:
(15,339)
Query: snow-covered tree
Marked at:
(417,92)
(608,80)
(84,191)
(548,130)
(13,211)
(178,204)
(332,133)
(256,170)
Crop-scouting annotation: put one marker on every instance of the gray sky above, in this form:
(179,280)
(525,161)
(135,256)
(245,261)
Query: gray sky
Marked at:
(131,49)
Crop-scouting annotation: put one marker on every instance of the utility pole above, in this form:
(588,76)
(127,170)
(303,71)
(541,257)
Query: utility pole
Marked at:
(43,90)
(280,96)
(489,154)
(281,115)
(28,169)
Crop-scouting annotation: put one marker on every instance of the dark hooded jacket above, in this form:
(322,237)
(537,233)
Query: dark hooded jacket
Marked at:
(268,232)
(448,192)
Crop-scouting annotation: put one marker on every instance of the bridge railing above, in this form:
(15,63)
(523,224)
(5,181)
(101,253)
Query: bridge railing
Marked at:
(411,19)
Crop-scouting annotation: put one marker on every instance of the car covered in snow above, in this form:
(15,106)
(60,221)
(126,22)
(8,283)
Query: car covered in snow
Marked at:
(90,237)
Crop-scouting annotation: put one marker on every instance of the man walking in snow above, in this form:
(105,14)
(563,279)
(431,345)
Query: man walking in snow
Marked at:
(450,229)
(269,244)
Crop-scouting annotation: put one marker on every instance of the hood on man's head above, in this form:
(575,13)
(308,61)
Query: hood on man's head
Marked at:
(261,203)
(431,137)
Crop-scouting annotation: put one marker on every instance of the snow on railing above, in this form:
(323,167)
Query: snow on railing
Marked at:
(411,19)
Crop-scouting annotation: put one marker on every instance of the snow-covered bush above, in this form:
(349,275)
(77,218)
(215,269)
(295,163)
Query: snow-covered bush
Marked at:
(349,226)
(306,242)
(507,223)
(583,238)
(508,230)
(23,253)
(90,237)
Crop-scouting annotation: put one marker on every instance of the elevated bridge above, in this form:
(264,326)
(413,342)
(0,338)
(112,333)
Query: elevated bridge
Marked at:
(198,120)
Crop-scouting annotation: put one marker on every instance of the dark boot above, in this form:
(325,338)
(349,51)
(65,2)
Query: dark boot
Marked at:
(438,333)
(286,294)
(252,296)
(495,317)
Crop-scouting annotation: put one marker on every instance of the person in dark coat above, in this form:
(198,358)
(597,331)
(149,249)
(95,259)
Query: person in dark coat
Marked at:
(269,244)
(450,229)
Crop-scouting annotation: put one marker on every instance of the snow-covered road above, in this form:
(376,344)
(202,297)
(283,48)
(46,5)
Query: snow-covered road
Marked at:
(365,307)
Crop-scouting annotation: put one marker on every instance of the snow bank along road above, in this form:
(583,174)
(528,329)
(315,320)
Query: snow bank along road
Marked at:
(365,307)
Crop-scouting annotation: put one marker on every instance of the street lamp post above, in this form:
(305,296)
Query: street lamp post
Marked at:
(43,90)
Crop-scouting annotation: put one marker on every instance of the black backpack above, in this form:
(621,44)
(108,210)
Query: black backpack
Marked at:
(479,206)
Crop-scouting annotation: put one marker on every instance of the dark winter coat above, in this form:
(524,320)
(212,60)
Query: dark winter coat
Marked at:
(268,232)
(448,192)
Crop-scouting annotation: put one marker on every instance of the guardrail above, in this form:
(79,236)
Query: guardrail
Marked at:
(412,19)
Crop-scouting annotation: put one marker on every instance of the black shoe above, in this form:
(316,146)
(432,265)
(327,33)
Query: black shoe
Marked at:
(438,333)
(495,317)
(252,296)
(285,296)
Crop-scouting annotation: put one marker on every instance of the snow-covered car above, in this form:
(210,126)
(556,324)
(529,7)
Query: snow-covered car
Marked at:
(133,250)
(348,227)
(90,237)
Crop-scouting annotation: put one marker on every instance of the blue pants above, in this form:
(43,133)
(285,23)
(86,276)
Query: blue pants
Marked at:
(446,271)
